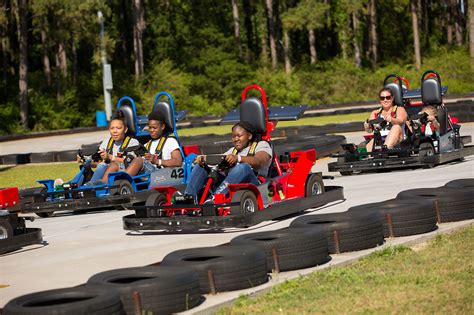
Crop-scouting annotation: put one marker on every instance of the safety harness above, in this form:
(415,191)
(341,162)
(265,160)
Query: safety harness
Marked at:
(393,113)
(159,147)
(124,145)
(251,152)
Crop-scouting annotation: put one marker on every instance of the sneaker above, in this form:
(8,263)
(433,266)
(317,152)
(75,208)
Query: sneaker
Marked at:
(95,183)
(180,199)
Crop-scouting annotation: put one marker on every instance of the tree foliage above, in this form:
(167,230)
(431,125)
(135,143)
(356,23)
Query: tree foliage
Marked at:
(189,49)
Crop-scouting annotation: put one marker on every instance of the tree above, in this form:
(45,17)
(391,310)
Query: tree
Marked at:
(373,40)
(471,32)
(286,48)
(416,37)
(23,65)
(139,25)
(308,15)
(271,32)
(235,15)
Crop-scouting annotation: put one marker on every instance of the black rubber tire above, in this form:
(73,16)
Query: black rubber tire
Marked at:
(6,229)
(38,199)
(247,202)
(453,204)
(295,248)
(163,290)
(426,149)
(121,187)
(402,217)
(94,300)
(314,181)
(346,231)
(461,183)
(154,199)
(233,267)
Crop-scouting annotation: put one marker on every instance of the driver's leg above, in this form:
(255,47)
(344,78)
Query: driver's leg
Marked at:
(196,181)
(370,145)
(113,167)
(98,172)
(135,167)
(394,137)
(241,173)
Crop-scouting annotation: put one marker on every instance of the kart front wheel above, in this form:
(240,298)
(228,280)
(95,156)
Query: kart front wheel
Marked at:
(247,202)
(38,199)
(153,200)
(6,229)
(121,187)
(426,149)
(314,186)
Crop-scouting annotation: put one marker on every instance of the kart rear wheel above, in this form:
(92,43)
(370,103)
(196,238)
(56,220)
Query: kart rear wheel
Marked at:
(314,186)
(40,199)
(153,200)
(247,202)
(6,229)
(122,187)
(426,149)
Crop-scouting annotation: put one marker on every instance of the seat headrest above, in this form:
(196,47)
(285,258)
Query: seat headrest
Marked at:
(253,112)
(127,111)
(431,91)
(165,109)
(397,93)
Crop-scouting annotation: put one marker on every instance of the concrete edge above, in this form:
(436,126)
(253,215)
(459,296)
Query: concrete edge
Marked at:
(213,303)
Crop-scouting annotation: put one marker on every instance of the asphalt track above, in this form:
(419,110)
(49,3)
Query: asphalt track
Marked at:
(81,245)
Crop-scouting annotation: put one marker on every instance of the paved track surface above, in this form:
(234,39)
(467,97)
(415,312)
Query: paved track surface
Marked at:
(78,246)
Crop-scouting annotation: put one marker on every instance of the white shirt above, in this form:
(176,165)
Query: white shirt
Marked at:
(170,145)
(116,146)
(261,146)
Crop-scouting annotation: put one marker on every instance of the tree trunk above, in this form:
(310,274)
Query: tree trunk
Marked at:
(458,24)
(249,30)
(58,75)
(138,12)
(286,50)
(373,39)
(123,33)
(271,32)
(470,12)
(235,15)
(312,46)
(416,38)
(449,26)
(62,59)
(74,59)
(355,40)
(45,57)
(23,66)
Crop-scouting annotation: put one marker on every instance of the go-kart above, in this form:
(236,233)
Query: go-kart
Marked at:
(289,188)
(121,189)
(420,148)
(13,232)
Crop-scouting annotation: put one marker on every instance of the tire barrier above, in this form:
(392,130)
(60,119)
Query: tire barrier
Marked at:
(223,268)
(289,249)
(94,300)
(176,283)
(346,232)
(451,204)
(402,217)
(162,290)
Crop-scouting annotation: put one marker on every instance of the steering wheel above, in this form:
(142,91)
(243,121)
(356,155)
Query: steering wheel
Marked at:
(377,123)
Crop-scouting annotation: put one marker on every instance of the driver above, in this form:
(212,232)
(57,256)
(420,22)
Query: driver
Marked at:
(248,159)
(396,116)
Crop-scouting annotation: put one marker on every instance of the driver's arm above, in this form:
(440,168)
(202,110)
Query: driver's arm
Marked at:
(373,115)
(257,161)
(175,161)
(401,118)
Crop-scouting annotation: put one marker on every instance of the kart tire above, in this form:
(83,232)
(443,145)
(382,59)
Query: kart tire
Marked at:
(94,300)
(247,202)
(233,267)
(295,248)
(402,217)
(346,232)
(163,290)
(453,204)
(121,187)
(426,149)
(461,183)
(6,229)
(154,199)
(41,199)
(314,185)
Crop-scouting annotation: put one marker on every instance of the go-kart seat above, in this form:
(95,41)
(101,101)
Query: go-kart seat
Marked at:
(130,117)
(397,93)
(165,109)
(431,95)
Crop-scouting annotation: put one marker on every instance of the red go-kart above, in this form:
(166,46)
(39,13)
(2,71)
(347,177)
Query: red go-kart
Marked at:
(290,186)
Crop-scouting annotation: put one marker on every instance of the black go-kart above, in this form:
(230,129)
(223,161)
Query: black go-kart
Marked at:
(420,148)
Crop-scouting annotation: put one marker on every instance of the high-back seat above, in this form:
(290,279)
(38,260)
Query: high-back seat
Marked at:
(166,110)
(397,93)
(431,95)
(128,112)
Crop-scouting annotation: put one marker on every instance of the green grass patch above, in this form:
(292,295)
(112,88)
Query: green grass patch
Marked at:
(23,176)
(437,279)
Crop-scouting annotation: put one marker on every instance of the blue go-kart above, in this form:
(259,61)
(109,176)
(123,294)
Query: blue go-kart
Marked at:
(121,190)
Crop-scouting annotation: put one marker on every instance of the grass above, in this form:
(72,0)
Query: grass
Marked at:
(438,279)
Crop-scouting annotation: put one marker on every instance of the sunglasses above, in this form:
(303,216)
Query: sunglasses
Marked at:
(383,98)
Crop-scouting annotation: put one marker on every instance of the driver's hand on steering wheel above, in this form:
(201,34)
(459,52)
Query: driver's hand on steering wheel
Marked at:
(200,159)
(79,159)
(232,159)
